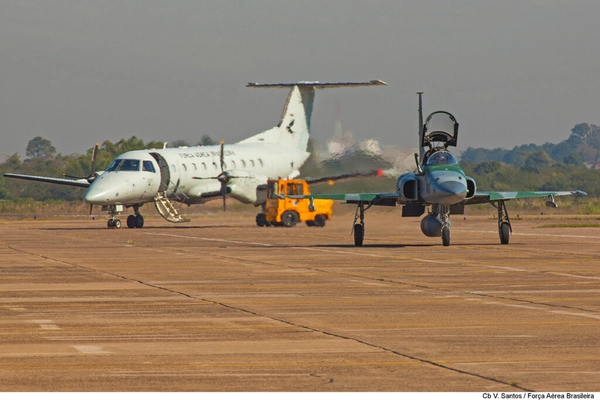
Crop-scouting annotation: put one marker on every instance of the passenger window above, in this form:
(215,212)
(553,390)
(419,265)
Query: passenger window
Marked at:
(261,162)
(194,165)
(184,167)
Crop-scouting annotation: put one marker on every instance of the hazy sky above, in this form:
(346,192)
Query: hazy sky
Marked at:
(78,72)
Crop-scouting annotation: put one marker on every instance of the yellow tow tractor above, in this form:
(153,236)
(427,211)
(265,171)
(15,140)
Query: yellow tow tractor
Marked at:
(285,205)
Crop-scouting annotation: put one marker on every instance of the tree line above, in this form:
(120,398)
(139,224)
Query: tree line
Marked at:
(582,148)
(528,167)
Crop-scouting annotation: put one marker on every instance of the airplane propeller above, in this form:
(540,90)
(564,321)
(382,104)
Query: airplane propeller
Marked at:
(224,177)
(93,175)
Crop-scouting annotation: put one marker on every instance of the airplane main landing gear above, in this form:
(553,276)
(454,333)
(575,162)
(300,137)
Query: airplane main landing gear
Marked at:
(359,234)
(504,226)
(135,220)
(358,226)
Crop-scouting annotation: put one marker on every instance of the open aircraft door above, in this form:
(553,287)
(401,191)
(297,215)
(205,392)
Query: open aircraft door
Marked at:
(440,127)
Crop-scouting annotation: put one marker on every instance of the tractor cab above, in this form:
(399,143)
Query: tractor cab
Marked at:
(286,205)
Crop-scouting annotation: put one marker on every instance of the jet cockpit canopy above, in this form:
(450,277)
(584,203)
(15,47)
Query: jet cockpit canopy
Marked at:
(440,128)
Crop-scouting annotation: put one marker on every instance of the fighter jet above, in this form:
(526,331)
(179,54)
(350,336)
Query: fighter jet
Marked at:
(438,185)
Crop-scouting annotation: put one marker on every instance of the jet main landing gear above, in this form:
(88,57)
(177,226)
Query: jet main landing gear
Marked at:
(504,226)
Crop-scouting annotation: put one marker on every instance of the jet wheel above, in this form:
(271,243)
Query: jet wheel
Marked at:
(114,223)
(131,221)
(504,230)
(139,221)
(359,234)
(446,236)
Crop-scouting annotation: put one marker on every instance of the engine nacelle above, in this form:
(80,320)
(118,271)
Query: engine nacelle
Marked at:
(431,225)
(471,187)
(408,187)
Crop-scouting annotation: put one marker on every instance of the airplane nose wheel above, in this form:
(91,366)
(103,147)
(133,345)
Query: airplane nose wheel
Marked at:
(114,223)
(446,235)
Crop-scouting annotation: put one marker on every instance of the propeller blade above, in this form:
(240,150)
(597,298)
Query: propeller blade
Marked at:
(222,156)
(94,154)
(224,193)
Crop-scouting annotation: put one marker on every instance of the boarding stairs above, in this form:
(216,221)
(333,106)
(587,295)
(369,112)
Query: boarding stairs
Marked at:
(167,210)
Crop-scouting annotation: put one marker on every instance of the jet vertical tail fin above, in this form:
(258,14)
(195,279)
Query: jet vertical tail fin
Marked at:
(293,129)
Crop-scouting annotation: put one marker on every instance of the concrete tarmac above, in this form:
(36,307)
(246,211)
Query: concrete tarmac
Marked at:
(220,304)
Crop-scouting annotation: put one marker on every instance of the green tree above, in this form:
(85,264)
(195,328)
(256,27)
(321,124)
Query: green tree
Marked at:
(38,147)
(206,141)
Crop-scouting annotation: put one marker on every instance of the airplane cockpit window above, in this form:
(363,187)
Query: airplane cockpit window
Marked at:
(441,158)
(121,164)
(148,166)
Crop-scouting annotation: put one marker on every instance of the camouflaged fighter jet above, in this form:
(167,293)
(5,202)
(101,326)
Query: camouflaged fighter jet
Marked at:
(439,185)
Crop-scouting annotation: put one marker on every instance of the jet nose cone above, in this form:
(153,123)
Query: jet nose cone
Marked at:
(454,187)
(455,191)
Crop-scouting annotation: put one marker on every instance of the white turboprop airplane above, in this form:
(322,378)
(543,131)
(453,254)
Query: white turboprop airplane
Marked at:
(194,175)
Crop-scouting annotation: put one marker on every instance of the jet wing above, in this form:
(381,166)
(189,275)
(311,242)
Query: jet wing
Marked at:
(486,197)
(82,183)
(375,199)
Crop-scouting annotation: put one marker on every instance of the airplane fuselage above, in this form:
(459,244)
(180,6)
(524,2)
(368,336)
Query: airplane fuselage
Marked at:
(442,184)
(189,174)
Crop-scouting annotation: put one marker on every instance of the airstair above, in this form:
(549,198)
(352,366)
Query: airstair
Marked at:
(167,210)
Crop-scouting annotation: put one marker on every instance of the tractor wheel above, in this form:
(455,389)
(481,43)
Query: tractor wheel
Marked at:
(320,220)
(289,218)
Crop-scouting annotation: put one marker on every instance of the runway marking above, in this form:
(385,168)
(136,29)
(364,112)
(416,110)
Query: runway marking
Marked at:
(16,308)
(87,349)
(209,239)
(575,276)
(46,324)
(584,315)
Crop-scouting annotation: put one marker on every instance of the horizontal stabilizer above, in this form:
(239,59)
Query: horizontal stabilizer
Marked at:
(316,84)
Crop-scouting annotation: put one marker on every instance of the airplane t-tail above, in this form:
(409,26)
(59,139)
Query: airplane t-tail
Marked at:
(438,184)
(194,175)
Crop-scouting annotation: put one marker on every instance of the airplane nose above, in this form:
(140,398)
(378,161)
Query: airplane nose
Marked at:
(455,191)
(96,194)
(454,187)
